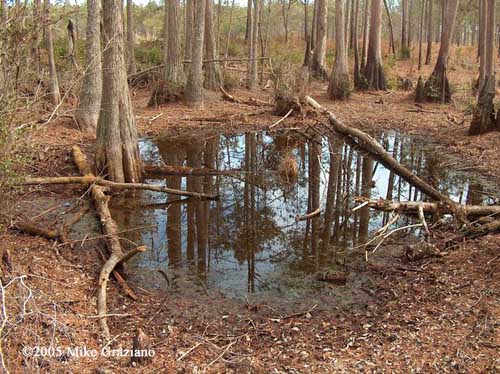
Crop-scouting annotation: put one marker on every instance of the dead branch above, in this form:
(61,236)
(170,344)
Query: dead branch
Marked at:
(110,229)
(91,179)
(250,101)
(368,144)
(119,278)
(31,229)
(412,207)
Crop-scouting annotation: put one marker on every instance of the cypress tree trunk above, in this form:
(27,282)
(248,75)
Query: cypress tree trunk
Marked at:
(249,21)
(87,113)
(174,74)
(421,34)
(339,87)
(365,35)
(188,31)
(483,119)
(373,70)
(213,76)
(54,95)
(357,75)
(131,66)
(437,87)
(252,46)
(318,60)
(194,86)
(117,151)
(428,54)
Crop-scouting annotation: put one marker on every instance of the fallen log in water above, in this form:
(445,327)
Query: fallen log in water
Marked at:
(368,144)
(110,230)
(160,171)
(91,179)
(412,207)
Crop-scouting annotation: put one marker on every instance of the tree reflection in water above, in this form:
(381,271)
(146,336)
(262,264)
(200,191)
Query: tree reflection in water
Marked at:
(248,240)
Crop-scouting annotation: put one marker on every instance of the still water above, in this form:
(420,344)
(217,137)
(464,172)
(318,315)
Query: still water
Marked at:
(249,241)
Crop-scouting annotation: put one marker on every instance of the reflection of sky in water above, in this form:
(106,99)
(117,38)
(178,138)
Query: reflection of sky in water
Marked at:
(278,239)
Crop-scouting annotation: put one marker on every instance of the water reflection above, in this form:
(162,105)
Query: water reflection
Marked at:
(249,240)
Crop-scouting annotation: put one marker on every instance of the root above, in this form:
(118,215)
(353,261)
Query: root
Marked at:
(165,93)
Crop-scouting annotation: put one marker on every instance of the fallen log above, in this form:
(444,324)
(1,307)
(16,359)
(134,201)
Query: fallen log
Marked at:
(250,101)
(412,207)
(31,229)
(91,179)
(229,118)
(110,230)
(368,144)
(160,171)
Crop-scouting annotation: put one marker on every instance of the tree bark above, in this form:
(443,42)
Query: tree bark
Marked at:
(213,76)
(117,149)
(483,119)
(339,87)
(252,46)
(228,38)
(318,60)
(365,35)
(482,41)
(374,72)
(87,113)
(194,86)
(421,33)
(188,32)
(174,74)
(54,95)
(392,43)
(356,73)
(248,28)
(131,65)
(428,54)
(437,87)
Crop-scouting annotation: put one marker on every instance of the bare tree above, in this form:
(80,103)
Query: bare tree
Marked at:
(484,115)
(339,87)
(421,33)
(194,86)
(437,87)
(87,113)
(319,53)
(392,43)
(131,65)
(35,48)
(117,150)
(374,72)
(249,21)
(228,37)
(174,73)
(213,77)
(404,30)
(357,72)
(72,44)
(285,15)
(55,96)
(252,46)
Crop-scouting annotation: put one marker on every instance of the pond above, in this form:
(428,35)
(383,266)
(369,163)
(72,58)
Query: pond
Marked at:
(249,241)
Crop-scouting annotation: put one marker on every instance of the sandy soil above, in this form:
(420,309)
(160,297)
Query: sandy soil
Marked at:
(440,314)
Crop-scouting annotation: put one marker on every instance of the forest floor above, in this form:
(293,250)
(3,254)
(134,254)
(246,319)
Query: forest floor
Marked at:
(440,314)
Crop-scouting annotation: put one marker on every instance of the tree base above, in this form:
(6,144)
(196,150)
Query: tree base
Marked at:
(339,89)
(375,76)
(213,77)
(165,93)
(319,72)
(419,91)
(284,102)
(483,119)
(437,88)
